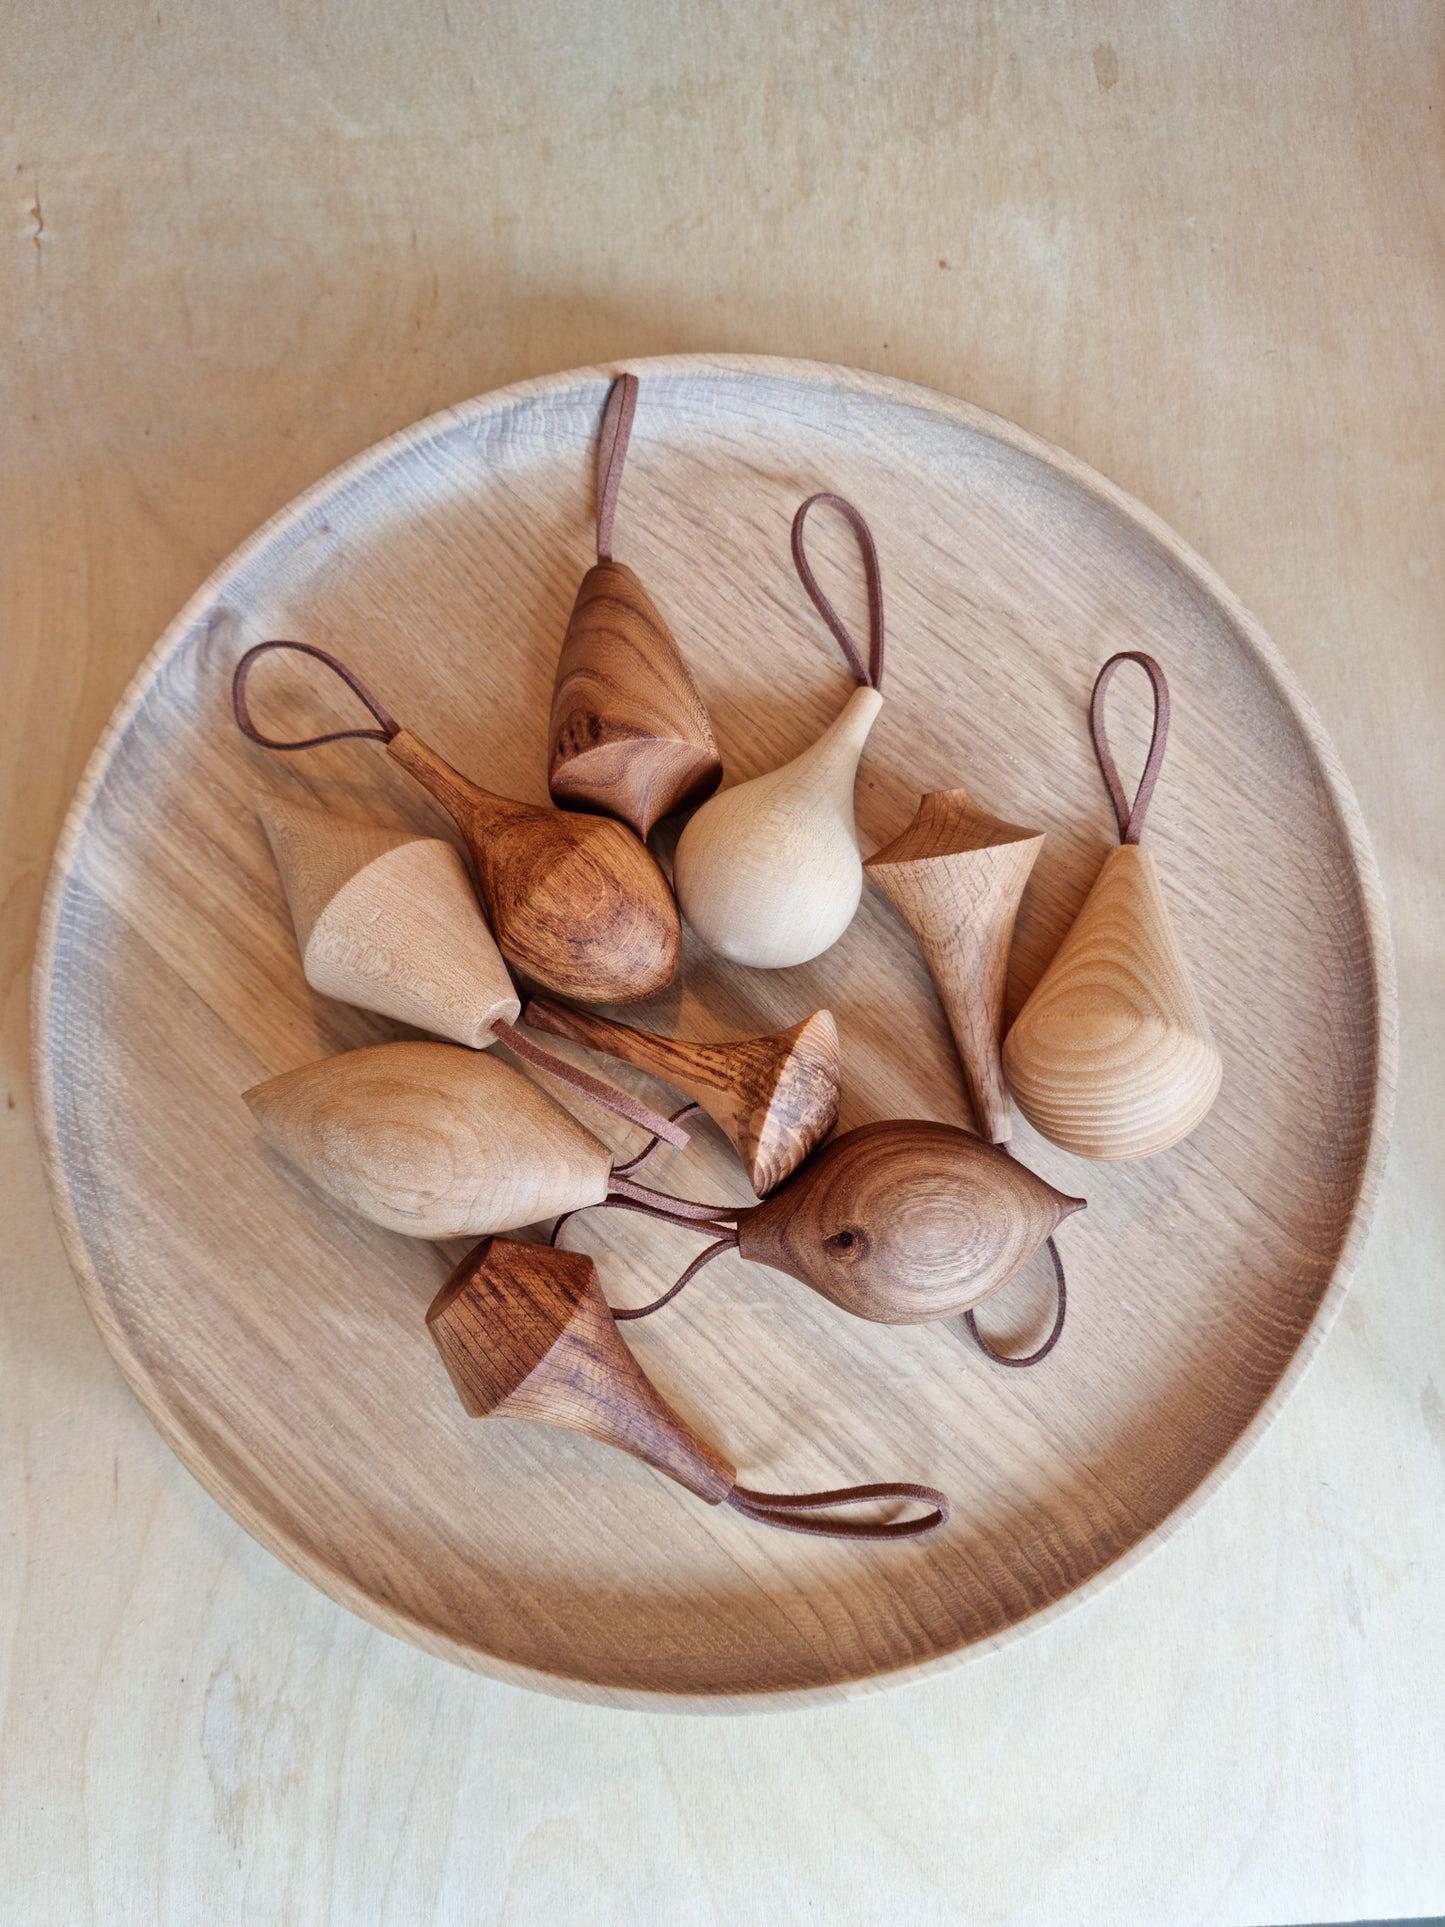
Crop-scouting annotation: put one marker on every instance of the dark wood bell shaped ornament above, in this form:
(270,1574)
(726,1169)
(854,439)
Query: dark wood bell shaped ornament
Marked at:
(525,1333)
(629,734)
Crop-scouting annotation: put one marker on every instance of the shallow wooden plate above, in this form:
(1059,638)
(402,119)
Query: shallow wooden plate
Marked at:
(279,1346)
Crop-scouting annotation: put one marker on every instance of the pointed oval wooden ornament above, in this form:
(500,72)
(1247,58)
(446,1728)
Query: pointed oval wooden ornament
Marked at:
(1112,1056)
(389,921)
(525,1333)
(629,733)
(955,876)
(769,873)
(575,901)
(775,1098)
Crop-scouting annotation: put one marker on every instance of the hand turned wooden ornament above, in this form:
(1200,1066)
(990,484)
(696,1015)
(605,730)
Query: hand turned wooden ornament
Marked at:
(955,876)
(768,873)
(1112,1056)
(574,901)
(629,733)
(775,1098)
(525,1333)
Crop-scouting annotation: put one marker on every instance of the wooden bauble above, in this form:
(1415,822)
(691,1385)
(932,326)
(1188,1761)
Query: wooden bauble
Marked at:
(768,873)
(1112,1057)
(575,901)
(525,1333)
(390,922)
(432,1141)
(955,876)
(775,1098)
(905,1221)
(629,733)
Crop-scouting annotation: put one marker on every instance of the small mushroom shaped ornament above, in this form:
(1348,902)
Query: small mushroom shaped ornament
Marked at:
(1112,1056)
(955,876)
(576,902)
(525,1333)
(769,873)
(629,734)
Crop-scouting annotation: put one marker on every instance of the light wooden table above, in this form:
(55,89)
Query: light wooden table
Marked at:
(1199,246)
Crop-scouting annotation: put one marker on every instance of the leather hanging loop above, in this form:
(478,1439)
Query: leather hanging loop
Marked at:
(612,442)
(869,674)
(621,1103)
(241,705)
(789,1511)
(1130,816)
(1034,1357)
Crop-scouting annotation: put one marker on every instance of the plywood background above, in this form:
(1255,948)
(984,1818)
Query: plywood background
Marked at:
(1201,248)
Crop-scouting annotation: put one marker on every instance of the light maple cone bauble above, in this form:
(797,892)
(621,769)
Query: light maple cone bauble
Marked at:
(390,922)
(1111,1057)
(955,876)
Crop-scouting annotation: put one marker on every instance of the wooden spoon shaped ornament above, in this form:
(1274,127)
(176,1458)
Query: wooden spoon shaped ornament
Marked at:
(955,876)
(1112,1056)
(768,873)
(525,1333)
(629,734)
(775,1098)
(575,901)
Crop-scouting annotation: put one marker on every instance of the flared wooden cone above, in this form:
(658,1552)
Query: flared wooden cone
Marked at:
(629,732)
(775,1097)
(525,1333)
(432,1141)
(389,922)
(955,876)
(1111,1056)
(768,873)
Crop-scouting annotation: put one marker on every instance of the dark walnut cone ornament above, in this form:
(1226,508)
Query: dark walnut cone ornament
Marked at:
(525,1333)
(629,734)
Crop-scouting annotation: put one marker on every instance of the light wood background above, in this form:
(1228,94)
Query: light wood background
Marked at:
(1201,247)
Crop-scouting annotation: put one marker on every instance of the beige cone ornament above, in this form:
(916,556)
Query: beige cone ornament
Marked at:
(1112,1057)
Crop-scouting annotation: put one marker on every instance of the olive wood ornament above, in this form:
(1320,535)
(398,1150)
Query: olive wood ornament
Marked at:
(629,734)
(768,873)
(955,876)
(1112,1056)
(575,901)
(525,1333)
(775,1098)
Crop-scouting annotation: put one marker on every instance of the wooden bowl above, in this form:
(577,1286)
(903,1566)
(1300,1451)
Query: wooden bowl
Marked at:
(280,1345)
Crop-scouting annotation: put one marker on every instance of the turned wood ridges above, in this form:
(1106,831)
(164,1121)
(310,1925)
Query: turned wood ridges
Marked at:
(1112,1056)
(629,732)
(389,921)
(775,1098)
(575,901)
(769,872)
(955,876)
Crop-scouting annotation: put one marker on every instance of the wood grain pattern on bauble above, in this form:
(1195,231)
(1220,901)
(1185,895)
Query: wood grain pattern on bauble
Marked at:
(955,875)
(1112,1055)
(575,901)
(389,921)
(525,1333)
(431,1140)
(629,732)
(904,1222)
(776,1098)
(768,873)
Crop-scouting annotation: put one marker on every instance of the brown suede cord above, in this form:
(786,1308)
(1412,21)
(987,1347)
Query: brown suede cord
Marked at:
(620,1103)
(1036,1357)
(242,707)
(612,443)
(789,1510)
(869,674)
(1130,816)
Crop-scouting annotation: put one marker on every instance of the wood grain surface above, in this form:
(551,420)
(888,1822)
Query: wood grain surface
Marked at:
(1201,250)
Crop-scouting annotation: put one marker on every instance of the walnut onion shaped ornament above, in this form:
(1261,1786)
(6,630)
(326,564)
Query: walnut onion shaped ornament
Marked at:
(576,902)
(525,1333)
(768,873)
(629,734)
(1112,1056)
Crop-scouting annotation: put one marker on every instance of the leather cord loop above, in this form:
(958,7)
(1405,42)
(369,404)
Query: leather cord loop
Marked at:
(612,443)
(869,674)
(1130,815)
(635,1164)
(242,708)
(1034,1357)
(789,1511)
(620,1103)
